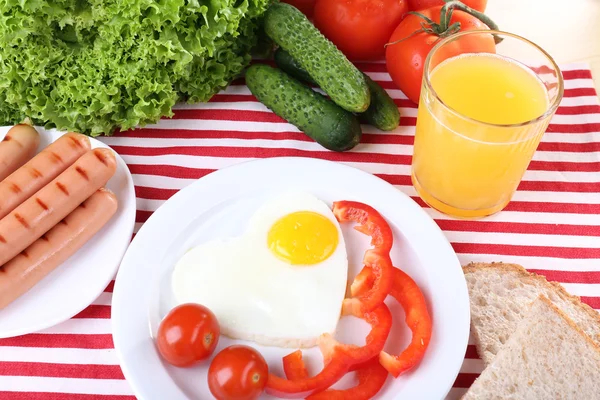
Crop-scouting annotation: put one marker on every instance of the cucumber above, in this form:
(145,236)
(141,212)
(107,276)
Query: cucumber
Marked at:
(287,64)
(314,114)
(382,113)
(326,64)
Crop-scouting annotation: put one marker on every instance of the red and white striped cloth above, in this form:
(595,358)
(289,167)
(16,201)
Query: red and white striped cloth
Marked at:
(552,226)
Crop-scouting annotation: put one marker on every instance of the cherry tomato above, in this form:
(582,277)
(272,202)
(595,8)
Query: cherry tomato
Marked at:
(409,47)
(306,6)
(237,372)
(187,335)
(359,28)
(418,5)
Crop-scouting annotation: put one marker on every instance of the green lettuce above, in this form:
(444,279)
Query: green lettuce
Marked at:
(101,65)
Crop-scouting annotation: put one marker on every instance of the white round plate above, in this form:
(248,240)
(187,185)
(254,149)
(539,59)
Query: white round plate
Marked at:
(219,205)
(75,284)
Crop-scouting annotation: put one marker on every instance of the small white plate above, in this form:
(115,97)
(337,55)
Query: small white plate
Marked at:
(74,285)
(220,204)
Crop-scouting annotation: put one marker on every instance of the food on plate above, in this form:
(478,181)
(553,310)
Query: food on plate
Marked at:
(238,372)
(281,283)
(382,112)
(188,334)
(306,6)
(500,294)
(417,34)
(94,67)
(40,170)
(370,379)
(23,272)
(359,28)
(42,211)
(418,5)
(335,74)
(547,356)
(318,117)
(17,147)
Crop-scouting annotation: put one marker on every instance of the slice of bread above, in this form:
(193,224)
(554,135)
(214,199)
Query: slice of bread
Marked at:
(547,357)
(501,293)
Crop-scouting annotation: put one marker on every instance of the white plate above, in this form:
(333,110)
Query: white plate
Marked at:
(74,285)
(220,204)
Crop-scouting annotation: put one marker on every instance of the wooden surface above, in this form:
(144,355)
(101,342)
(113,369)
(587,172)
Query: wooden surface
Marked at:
(568,30)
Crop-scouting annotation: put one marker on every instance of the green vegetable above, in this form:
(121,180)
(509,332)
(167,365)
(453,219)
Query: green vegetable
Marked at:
(98,65)
(382,112)
(284,61)
(318,117)
(325,63)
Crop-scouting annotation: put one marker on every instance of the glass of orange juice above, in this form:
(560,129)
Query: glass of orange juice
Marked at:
(481,117)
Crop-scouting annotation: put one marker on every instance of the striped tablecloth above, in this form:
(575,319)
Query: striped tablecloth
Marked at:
(552,226)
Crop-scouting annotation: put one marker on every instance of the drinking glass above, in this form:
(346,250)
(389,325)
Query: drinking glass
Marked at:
(481,117)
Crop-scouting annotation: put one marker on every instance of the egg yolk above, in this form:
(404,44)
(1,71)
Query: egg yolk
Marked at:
(303,238)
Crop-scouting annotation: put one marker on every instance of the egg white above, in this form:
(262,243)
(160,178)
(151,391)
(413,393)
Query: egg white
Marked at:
(256,296)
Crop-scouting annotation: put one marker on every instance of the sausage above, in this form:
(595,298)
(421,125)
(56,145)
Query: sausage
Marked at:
(40,170)
(17,147)
(33,264)
(39,213)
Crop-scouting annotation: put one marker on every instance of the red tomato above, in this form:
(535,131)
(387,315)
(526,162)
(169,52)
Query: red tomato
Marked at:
(359,28)
(237,373)
(405,59)
(417,5)
(187,335)
(306,6)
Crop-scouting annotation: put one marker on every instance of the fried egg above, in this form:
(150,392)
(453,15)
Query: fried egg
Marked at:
(281,283)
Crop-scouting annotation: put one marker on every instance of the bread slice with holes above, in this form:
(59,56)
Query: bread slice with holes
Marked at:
(501,293)
(547,357)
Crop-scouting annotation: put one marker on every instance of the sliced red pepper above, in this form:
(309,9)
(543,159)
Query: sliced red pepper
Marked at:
(409,295)
(338,365)
(371,378)
(371,223)
(380,320)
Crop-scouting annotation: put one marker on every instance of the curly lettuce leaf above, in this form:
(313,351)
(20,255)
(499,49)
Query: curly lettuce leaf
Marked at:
(97,66)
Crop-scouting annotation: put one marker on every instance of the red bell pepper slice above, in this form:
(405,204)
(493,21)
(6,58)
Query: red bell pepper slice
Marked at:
(332,372)
(410,297)
(371,223)
(380,320)
(371,378)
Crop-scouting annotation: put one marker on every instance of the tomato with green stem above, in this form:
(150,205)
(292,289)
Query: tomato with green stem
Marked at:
(359,28)
(418,33)
(418,5)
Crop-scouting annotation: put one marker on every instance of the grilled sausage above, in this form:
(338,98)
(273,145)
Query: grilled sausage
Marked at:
(39,213)
(17,147)
(33,264)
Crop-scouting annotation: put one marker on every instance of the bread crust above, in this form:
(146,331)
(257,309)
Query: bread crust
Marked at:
(530,277)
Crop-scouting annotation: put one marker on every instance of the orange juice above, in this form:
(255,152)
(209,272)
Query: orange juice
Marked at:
(470,152)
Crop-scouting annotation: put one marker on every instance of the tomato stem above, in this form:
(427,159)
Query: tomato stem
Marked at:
(451,5)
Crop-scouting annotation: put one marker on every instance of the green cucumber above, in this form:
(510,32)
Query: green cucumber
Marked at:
(382,113)
(286,63)
(326,64)
(314,114)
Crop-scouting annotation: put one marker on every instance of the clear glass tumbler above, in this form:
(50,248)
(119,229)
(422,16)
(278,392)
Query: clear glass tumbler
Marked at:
(482,114)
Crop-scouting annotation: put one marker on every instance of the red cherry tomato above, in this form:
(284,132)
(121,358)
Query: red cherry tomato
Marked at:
(187,335)
(306,6)
(409,47)
(359,28)
(237,373)
(418,5)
